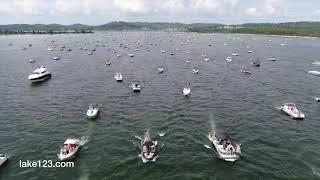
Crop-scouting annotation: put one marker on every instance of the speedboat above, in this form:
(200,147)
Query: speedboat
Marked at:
(187,90)
(90,53)
(235,54)
(3,159)
(136,87)
(317,99)
(131,55)
(40,74)
(246,71)
(93,111)
(118,76)
(69,149)
(291,110)
(195,70)
(272,58)
(206,59)
(31,60)
(149,148)
(163,51)
(188,61)
(256,63)
(50,49)
(229,59)
(108,63)
(250,51)
(56,58)
(316,73)
(160,69)
(225,147)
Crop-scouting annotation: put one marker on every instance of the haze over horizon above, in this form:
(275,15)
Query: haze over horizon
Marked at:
(96,12)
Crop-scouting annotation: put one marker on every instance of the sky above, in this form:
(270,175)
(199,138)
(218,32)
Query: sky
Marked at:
(96,12)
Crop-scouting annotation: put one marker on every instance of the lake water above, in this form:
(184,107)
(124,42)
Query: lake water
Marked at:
(37,119)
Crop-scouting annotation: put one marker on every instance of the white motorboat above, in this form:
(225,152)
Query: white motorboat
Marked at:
(235,54)
(225,147)
(246,71)
(31,60)
(136,87)
(206,59)
(316,73)
(3,159)
(56,58)
(69,149)
(160,69)
(272,58)
(131,55)
(118,77)
(108,62)
(317,99)
(163,51)
(50,49)
(40,74)
(250,51)
(93,111)
(90,53)
(229,59)
(195,70)
(291,110)
(149,148)
(188,61)
(187,90)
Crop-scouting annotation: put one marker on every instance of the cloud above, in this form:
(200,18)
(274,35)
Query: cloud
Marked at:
(252,12)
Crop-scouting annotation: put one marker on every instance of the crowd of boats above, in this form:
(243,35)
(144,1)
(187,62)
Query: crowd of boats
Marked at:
(225,147)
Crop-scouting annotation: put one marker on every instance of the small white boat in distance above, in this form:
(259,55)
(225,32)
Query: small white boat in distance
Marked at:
(108,62)
(316,73)
(235,54)
(188,61)
(225,147)
(291,110)
(118,77)
(250,51)
(69,149)
(316,63)
(206,59)
(90,53)
(160,69)
(40,74)
(195,70)
(272,58)
(317,99)
(136,87)
(187,90)
(229,59)
(50,49)
(93,111)
(3,159)
(246,71)
(31,60)
(131,55)
(56,58)
(163,51)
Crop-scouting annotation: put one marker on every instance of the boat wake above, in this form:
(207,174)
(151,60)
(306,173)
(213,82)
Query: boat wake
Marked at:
(212,122)
(84,140)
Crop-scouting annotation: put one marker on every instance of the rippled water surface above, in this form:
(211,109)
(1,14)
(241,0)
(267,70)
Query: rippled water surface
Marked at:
(36,119)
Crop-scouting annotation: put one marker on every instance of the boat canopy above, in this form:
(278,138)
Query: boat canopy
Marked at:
(71,141)
(93,105)
(148,143)
(223,136)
